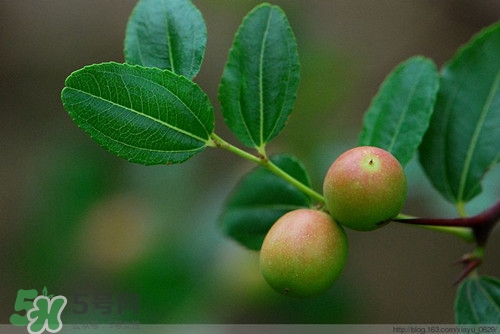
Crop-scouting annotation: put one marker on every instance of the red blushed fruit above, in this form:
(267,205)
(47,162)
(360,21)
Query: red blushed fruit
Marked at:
(303,253)
(365,188)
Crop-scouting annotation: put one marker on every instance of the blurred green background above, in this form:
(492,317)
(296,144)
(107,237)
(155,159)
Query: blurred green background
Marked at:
(77,219)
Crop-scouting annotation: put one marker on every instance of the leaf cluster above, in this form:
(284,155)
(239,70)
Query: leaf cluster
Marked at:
(149,110)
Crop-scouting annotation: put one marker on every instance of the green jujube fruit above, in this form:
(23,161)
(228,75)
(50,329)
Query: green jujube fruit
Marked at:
(365,188)
(303,253)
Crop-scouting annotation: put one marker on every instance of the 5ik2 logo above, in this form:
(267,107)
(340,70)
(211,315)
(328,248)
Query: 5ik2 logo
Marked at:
(43,312)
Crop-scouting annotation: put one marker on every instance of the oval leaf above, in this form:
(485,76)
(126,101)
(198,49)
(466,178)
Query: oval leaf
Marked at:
(260,199)
(463,139)
(400,113)
(144,115)
(478,301)
(168,34)
(261,77)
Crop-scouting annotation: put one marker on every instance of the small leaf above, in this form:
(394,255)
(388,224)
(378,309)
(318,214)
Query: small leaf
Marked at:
(260,199)
(462,142)
(261,77)
(168,34)
(144,115)
(50,296)
(44,291)
(478,301)
(400,113)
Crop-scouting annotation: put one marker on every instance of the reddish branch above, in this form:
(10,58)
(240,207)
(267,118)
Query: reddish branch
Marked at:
(481,225)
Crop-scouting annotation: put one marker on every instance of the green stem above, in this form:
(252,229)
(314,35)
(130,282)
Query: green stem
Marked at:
(461,209)
(481,224)
(263,161)
(287,177)
(464,233)
(221,143)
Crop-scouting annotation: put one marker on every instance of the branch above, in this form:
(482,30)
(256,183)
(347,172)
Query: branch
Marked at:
(481,224)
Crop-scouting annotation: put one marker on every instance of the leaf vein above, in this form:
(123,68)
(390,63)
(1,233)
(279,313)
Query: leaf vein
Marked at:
(168,39)
(397,131)
(170,126)
(475,137)
(261,77)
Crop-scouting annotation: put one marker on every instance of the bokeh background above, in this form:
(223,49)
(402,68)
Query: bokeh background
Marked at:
(76,219)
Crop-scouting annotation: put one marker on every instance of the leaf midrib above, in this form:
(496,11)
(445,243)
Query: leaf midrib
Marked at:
(261,78)
(111,139)
(475,137)
(168,41)
(189,134)
(404,113)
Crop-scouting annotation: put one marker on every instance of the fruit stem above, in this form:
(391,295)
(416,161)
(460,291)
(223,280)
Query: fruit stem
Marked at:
(262,160)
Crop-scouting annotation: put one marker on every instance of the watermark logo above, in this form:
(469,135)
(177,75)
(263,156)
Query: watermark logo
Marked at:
(43,313)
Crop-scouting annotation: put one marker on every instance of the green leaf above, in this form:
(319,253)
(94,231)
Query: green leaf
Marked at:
(261,77)
(260,199)
(400,113)
(168,34)
(478,301)
(144,115)
(44,291)
(463,139)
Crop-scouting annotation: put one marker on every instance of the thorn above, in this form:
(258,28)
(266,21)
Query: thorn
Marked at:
(471,264)
(465,259)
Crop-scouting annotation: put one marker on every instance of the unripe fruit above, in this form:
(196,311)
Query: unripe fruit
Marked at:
(365,188)
(303,253)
